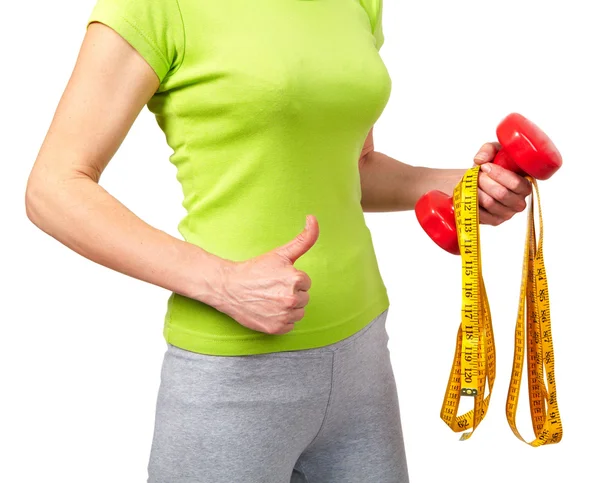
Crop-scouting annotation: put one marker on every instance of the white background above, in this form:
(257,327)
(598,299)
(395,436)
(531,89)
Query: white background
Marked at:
(81,345)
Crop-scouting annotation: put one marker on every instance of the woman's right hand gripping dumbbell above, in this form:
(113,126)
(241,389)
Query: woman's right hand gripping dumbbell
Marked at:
(267,293)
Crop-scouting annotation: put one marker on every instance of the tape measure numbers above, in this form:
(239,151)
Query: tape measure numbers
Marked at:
(474,365)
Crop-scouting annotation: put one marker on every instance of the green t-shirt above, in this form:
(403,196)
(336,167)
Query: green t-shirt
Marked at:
(266,105)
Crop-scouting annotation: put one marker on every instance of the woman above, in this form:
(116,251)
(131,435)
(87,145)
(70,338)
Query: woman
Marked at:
(268,107)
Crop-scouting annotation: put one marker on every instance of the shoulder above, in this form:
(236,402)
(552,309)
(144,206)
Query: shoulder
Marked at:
(374,9)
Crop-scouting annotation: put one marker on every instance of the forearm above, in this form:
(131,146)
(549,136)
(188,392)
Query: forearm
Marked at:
(390,185)
(82,215)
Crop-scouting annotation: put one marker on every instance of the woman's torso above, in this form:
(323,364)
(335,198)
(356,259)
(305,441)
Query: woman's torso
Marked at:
(267,114)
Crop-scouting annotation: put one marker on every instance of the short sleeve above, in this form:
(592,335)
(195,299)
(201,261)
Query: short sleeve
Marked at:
(378,27)
(374,9)
(153,27)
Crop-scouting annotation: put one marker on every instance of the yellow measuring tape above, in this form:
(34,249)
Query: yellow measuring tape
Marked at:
(474,358)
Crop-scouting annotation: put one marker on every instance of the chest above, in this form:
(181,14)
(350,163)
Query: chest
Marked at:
(281,58)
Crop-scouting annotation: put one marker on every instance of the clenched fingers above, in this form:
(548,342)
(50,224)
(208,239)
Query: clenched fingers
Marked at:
(502,193)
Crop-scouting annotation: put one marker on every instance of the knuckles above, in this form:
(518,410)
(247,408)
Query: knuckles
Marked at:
(298,279)
(302,278)
(515,185)
(501,193)
(272,329)
(487,202)
(290,301)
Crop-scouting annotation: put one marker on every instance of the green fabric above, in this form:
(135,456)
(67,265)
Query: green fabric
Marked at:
(266,105)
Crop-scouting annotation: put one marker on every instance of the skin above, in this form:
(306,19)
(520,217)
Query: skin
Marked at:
(109,86)
(390,185)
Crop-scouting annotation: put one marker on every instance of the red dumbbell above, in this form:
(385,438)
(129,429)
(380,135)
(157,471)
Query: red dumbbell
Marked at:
(526,150)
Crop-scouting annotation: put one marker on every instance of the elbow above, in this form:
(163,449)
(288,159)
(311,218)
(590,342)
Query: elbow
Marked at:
(41,198)
(48,195)
(34,199)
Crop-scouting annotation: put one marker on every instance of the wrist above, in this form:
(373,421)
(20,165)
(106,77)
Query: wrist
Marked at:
(444,180)
(453,177)
(205,277)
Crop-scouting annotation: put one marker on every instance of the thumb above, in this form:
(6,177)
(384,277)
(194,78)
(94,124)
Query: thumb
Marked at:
(302,242)
(486,153)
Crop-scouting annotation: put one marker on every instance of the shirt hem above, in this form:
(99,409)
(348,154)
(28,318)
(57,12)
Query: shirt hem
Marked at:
(263,343)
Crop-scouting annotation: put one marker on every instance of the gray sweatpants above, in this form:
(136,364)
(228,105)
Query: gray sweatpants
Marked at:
(324,415)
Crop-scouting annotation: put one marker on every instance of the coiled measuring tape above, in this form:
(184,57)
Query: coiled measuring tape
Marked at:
(474,358)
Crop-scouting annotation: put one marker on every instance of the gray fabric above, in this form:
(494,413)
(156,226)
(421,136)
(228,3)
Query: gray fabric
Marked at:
(324,415)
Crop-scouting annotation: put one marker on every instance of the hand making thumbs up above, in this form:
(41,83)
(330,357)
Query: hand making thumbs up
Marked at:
(267,293)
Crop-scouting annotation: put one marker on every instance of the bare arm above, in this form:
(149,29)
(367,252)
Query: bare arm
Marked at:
(109,86)
(391,185)
(405,183)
